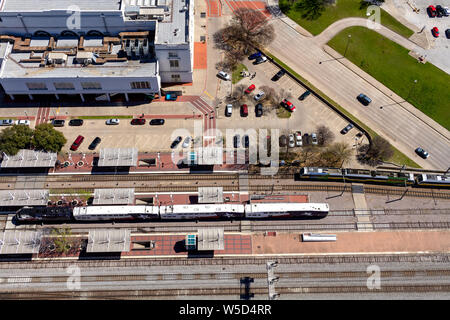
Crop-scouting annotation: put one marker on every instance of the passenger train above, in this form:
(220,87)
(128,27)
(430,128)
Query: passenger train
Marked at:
(374,176)
(172,212)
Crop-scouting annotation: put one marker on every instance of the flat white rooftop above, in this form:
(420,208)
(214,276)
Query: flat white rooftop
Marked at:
(46,5)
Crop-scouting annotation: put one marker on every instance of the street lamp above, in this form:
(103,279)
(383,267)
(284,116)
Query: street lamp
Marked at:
(26,114)
(348,42)
(410,90)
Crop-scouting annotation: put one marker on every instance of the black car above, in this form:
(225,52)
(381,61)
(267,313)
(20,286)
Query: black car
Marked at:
(304,95)
(259,110)
(157,122)
(76,122)
(347,128)
(278,75)
(94,143)
(58,123)
(237,141)
(422,153)
(283,141)
(175,142)
(246,141)
(365,100)
(447,33)
(440,11)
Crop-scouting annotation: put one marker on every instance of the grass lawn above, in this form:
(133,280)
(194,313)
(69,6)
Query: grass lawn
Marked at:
(282,112)
(398,157)
(390,64)
(102,117)
(236,75)
(342,9)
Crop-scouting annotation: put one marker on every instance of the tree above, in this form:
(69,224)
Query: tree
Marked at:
(380,150)
(311,9)
(270,95)
(337,154)
(47,138)
(62,240)
(14,138)
(324,135)
(238,93)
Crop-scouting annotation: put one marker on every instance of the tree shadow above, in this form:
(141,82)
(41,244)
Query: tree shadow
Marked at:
(310,9)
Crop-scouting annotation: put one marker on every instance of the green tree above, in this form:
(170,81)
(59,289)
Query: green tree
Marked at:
(62,240)
(14,138)
(47,138)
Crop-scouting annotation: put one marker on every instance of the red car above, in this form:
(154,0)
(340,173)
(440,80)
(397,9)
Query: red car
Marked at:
(77,143)
(244,110)
(435,32)
(138,121)
(431,11)
(250,88)
(288,105)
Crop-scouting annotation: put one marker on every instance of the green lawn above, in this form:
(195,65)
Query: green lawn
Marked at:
(390,64)
(282,112)
(398,157)
(236,75)
(102,117)
(342,9)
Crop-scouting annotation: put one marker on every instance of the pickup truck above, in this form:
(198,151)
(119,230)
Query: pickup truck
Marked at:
(171,97)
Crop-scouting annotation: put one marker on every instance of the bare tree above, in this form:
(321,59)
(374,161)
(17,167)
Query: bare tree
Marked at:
(238,93)
(324,135)
(284,94)
(337,154)
(380,150)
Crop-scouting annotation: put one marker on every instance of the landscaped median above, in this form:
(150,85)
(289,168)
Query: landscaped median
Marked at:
(398,157)
(102,117)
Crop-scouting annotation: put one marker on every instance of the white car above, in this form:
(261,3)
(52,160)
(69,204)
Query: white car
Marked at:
(6,122)
(298,139)
(291,141)
(186,142)
(229,110)
(23,122)
(224,75)
(259,95)
(112,121)
(314,138)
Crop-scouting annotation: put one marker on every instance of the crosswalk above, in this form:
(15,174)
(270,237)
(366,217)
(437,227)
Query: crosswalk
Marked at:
(209,119)
(43,115)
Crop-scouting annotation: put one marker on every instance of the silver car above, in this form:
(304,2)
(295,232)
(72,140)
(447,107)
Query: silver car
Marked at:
(23,122)
(6,122)
(291,141)
(186,142)
(112,121)
(224,75)
(259,95)
(314,138)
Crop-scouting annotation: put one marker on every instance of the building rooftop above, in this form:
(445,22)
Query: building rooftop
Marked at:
(113,196)
(118,157)
(210,239)
(29,159)
(23,197)
(46,5)
(210,194)
(108,240)
(175,30)
(20,242)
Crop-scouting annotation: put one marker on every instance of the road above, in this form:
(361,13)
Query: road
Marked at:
(395,121)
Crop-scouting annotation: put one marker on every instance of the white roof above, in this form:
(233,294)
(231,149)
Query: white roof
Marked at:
(114,210)
(109,240)
(29,159)
(280,206)
(202,208)
(47,5)
(20,242)
(114,196)
(210,239)
(114,157)
(28,197)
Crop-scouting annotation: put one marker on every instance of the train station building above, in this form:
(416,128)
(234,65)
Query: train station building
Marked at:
(94,49)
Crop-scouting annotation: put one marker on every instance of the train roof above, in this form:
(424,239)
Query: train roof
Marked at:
(317,170)
(434,178)
(280,206)
(44,211)
(114,210)
(203,208)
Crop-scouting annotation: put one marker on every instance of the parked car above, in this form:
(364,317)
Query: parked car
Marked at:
(431,11)
(291,141)
(259,95)
(447,33)
(255,55)
(304,95)
(440,11)
(260,60)
(422,153)
(365,100)
(94,143)
(250,88)
(76,122)
(307,139)
(288,105)
(244,110)
(58,123)
(237,141)
(347,128)
(175,142)
(245,141)
(6,122)
(283,141)
(171,97)
(186,142)
(157,122)
(314,138)
(278,75)
(446,11)
(138,121)
(76,143)
(112,121)
(23,122)
(435,32)
(259,110)
(224,75)
(229,110)
(298,139)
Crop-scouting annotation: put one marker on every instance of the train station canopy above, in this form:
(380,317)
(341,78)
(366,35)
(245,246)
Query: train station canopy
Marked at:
(29,159)
(210,239)
(118,157)
(20,242)
(30,197)
(113,196)
(210,155)
(108,240)
(210,195)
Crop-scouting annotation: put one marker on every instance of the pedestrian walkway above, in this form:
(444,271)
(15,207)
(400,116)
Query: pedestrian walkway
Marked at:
(359,199)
